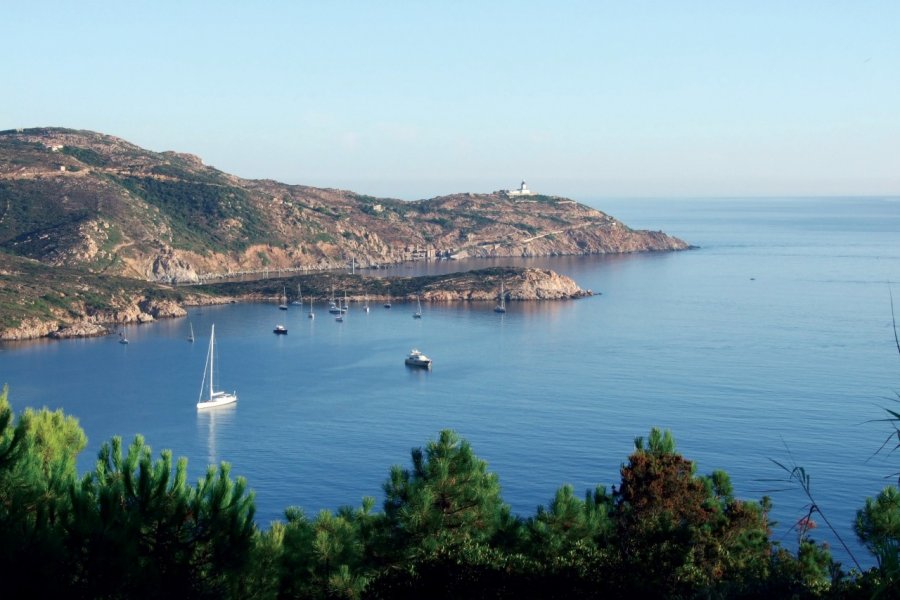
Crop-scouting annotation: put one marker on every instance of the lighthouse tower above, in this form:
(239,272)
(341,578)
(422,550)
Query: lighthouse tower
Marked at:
(522,191)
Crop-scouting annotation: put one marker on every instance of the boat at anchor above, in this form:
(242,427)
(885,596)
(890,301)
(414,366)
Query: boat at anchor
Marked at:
(417,359)
(215,398)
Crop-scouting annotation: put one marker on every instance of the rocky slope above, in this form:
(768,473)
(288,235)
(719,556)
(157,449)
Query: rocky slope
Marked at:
(471,286)
(41,301)
(93,201)
(59,302)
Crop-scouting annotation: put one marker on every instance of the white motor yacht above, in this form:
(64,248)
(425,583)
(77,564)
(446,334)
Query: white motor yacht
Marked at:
(417,359)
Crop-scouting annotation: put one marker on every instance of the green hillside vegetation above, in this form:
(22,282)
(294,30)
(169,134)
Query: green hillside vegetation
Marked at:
(86,155)
(61,189)
(135,528)
(196,211)
(29,210)
(31,290)
(321,285)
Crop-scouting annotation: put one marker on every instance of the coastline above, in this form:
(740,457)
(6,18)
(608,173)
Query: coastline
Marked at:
(163,302)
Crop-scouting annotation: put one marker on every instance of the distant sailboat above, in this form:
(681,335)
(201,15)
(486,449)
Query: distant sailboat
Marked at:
(388,303)
(343,309)
(299,300)
(418,313)
(191,336)
(311,314)
(366,307)
(501,308)
(123,337)
(215,398)
(333,307)
(283,305)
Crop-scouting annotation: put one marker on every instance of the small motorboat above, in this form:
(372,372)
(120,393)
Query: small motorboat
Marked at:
(280,330)
(417,359)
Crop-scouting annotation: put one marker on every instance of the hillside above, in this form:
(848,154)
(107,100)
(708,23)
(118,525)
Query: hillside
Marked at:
(96,202)
(37,300)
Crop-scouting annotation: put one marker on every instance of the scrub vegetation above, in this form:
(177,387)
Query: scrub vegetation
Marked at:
(135,528)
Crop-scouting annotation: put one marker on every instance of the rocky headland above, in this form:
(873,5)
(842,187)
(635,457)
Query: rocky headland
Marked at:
(79,319)
(96,232)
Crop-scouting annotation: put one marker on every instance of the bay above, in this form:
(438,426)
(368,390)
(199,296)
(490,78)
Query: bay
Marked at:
(770,341)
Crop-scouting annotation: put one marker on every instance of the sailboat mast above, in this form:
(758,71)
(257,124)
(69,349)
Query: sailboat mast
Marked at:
(212,358)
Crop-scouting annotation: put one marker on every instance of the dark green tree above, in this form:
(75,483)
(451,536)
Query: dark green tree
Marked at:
(139,531)
(37,471)
(330,556)
(448,498)
(440,520)
(878,527)
(569,523)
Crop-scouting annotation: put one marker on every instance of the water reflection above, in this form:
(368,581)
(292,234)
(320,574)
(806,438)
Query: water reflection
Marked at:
(214,423)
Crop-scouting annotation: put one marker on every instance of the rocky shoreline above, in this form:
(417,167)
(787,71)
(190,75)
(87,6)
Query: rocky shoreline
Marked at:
(473,286)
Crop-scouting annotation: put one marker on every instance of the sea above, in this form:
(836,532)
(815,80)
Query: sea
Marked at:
(767,349)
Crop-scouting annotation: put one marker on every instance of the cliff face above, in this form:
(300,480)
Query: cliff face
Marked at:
(79,198)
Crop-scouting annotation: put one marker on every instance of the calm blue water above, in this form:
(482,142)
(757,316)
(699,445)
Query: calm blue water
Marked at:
(771,341)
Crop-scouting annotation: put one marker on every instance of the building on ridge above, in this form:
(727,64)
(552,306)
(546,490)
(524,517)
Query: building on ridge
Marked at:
(522,191)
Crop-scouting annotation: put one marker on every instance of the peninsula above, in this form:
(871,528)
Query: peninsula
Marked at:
(92,225)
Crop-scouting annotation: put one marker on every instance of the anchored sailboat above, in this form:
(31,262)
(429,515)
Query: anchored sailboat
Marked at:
(333,307)
(215,398)
(501,308)
(343,310)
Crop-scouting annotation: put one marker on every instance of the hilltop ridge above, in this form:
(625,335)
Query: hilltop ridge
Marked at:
(94,201)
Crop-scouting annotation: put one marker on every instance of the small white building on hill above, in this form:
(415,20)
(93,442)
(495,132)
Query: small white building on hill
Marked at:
(522,191)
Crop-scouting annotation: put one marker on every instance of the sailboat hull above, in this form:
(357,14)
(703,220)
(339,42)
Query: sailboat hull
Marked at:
(218,399)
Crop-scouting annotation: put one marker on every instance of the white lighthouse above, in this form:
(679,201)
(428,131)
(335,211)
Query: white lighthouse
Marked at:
(522,191)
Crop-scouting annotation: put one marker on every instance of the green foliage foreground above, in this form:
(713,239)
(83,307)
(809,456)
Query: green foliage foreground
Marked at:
(134,528)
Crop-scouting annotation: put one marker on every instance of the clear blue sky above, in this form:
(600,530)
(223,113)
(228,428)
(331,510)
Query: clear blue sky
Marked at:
(423,98)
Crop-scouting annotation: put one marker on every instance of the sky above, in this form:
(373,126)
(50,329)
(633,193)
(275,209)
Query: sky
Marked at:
(418,99)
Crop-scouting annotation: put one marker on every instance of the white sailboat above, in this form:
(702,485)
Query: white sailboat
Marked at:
(418,313)
(501,308)
(191,337)
(123,336)
(366,307)
(333,307)
(311,314)
(283,305)
(343,309)
(299,300)
(215,398)
(388,303)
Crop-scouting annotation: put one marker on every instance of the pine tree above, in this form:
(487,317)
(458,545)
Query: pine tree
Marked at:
(141,532)
(37,472)
(447,499)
